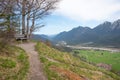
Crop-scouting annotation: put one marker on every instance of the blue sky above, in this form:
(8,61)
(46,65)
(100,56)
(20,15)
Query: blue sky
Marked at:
(73,13)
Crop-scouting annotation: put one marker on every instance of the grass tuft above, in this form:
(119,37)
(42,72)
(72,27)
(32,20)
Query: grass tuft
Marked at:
(7,63)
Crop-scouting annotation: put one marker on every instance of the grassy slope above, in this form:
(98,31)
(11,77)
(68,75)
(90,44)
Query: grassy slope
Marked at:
(13,63)
(61,66)
(102,57)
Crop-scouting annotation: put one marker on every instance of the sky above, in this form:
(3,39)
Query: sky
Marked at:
(73,13)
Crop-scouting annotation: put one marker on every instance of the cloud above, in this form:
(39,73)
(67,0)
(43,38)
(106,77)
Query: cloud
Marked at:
(89,9)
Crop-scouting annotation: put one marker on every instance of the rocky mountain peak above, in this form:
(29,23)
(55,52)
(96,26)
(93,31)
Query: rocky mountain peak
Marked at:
(107,22)
(116,25)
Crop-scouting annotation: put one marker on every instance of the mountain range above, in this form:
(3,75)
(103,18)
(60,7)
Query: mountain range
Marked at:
(107,33)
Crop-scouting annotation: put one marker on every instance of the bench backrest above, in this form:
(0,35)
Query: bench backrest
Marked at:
(19,36)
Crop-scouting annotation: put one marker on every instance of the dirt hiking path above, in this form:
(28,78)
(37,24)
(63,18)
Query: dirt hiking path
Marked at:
(36,71)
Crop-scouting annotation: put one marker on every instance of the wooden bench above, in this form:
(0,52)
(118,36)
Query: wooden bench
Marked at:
(20,37)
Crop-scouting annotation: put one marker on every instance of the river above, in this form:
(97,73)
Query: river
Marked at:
(95,48)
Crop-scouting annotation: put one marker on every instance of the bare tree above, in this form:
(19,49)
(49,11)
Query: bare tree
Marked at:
(7,19)
(32,11)
(29,12)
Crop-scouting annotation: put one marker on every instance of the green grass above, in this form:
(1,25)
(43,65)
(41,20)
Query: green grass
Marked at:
(63,61)
(14,63)
(112,58)
(7,63)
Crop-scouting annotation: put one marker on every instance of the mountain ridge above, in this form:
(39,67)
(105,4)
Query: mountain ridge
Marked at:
(107,33)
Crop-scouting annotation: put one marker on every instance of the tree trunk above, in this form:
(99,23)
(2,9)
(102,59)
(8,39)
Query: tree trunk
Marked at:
(27,29)
(23,17)
(33,25)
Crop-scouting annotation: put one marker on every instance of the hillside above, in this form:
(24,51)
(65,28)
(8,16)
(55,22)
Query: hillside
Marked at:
(63,66)
(106,33)
(14,63)
(40,37)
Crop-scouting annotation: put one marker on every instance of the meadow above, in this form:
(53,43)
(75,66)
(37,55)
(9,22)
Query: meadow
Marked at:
(100,56)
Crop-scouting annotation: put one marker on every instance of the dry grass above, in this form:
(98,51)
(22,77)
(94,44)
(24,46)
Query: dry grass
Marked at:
(69,74)
(13,63)
(63,66)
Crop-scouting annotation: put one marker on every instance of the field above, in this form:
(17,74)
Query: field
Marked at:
(64,66)
(14,63)
(100,56)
